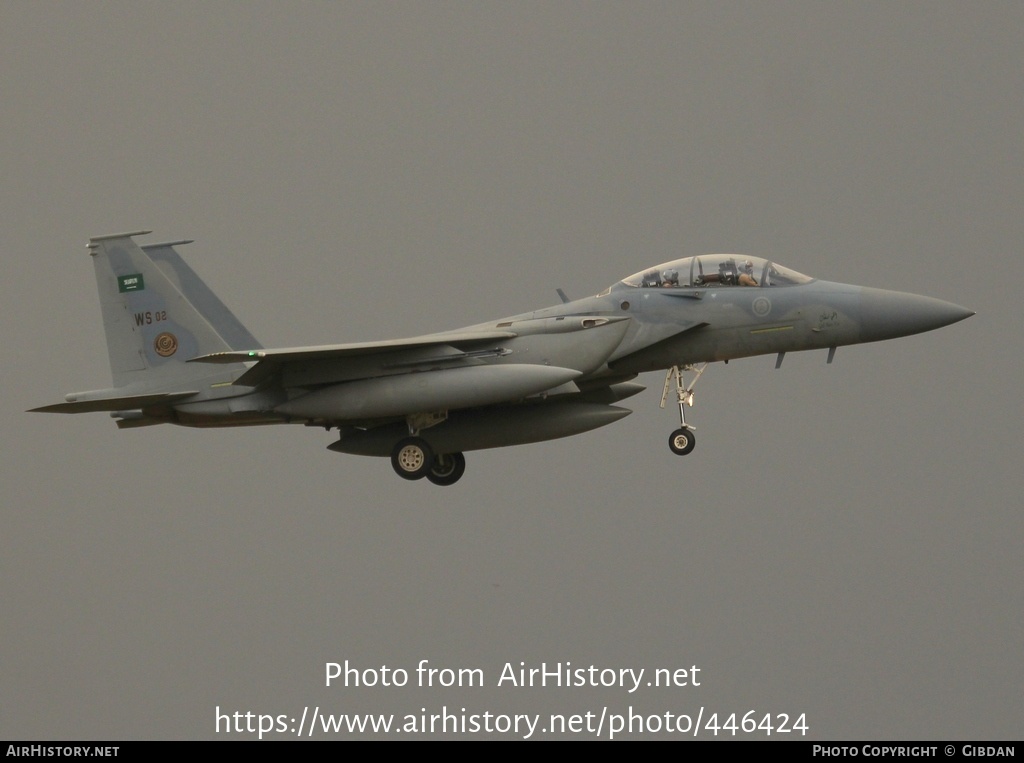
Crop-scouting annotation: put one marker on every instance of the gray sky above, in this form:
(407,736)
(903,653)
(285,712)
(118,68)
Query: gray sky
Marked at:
(845,540)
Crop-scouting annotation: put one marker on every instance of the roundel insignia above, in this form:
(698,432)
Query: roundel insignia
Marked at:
(762,306)
(166,344)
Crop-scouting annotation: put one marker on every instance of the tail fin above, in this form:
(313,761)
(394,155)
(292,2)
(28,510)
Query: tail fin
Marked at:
(200,295)
(152,325)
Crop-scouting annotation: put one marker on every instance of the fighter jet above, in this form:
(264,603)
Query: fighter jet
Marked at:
(178,355)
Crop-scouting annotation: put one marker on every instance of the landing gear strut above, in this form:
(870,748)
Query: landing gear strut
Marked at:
(682,441)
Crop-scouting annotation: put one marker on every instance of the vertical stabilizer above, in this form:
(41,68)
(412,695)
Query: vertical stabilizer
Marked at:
(201,296)
(152,328)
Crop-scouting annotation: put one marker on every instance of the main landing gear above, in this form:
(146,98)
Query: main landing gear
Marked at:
(413,459)
(448,468)
(682,441)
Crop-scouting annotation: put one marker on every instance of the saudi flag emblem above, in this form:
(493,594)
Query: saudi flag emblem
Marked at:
(130,283)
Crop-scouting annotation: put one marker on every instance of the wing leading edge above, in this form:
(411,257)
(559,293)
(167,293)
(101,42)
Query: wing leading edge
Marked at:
(404,352)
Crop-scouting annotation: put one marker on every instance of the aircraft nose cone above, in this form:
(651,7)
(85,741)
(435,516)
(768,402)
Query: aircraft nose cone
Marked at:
(889,314)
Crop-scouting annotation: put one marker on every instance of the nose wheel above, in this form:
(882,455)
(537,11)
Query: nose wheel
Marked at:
(682,441)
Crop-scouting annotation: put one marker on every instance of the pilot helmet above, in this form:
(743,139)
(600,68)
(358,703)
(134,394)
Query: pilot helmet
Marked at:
(748,265)
(670,276)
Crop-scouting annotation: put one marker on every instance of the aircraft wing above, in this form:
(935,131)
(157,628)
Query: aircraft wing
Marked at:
(446,347)
(652,335)
(333,351)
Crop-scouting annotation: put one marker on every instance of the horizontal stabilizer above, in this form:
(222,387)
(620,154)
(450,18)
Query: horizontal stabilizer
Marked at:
(114,403)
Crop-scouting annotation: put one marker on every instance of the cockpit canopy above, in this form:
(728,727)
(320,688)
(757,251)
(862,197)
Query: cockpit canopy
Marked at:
(714,270)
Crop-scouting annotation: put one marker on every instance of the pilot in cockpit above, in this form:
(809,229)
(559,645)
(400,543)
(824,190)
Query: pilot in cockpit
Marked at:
(746,275)
(670,278)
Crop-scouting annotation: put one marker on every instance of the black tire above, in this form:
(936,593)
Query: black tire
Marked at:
(412,458)
(447,469)
(682,441)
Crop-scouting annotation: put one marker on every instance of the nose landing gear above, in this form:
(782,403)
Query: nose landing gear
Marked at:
(682,441)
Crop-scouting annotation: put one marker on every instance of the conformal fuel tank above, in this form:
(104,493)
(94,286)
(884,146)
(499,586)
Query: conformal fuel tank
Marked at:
(463,387)
(488,428)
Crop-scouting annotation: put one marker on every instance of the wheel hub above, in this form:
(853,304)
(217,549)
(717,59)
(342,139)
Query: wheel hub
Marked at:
(411,458)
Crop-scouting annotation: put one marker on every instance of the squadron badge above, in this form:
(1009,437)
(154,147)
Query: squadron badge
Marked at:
(166,344)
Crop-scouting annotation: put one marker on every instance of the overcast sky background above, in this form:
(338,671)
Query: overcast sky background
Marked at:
(845,540)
